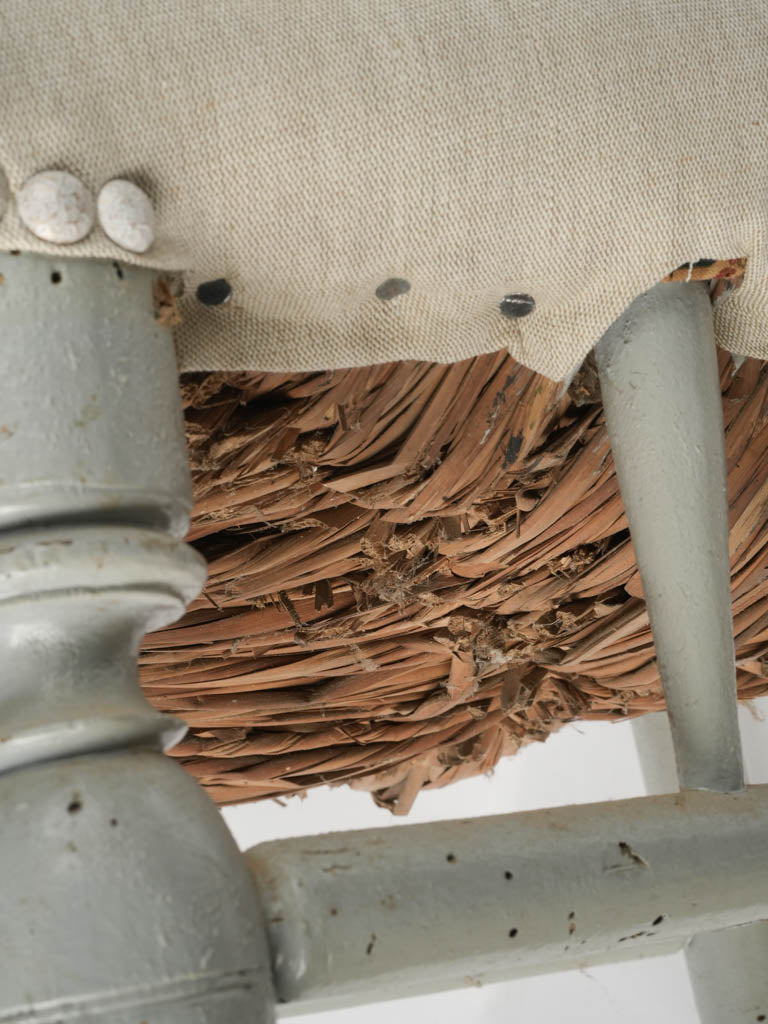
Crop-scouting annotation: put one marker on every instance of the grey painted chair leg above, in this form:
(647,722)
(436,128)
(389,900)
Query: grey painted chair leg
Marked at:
(659,380)
(123,897)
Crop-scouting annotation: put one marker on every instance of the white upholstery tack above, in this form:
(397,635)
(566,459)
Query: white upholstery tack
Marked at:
(126,215)
(56,207)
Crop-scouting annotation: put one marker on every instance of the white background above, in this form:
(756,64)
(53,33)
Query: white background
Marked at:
(582,763)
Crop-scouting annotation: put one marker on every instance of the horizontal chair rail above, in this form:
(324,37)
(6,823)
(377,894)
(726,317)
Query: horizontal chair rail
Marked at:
(355,917)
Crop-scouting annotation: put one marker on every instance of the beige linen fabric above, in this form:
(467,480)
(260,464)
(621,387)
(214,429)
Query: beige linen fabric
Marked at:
(307,150)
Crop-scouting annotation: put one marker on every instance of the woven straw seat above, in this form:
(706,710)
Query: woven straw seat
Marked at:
(416,569)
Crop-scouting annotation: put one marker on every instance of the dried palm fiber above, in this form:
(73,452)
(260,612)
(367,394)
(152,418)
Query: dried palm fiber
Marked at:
(415,569)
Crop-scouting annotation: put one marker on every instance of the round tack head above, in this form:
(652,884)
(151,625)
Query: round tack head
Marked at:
(393,287)
(517,305)
(214,293)
(57,207)
(126,215)
(5,193)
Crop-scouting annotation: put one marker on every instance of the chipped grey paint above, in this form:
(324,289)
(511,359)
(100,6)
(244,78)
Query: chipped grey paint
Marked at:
(632,873)
(89,424)
(123,896)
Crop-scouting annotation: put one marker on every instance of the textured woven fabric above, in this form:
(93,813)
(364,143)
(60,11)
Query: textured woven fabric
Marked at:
(310,150)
